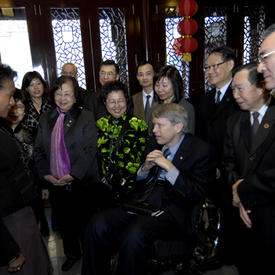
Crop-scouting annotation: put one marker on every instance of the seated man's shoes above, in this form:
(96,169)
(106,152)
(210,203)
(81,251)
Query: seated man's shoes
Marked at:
(69,263)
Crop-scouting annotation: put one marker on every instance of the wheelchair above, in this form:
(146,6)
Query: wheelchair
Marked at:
(190,256)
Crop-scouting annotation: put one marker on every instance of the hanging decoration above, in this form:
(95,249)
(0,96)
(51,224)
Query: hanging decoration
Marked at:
(186,44)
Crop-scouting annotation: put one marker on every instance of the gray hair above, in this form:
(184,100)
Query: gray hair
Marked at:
(269,31)
(174,113)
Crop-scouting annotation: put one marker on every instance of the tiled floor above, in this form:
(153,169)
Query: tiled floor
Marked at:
(55,248)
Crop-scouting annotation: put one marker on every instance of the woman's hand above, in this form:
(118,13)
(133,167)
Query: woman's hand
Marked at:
(65,179)
(45,194)
(51,179)
(16,264)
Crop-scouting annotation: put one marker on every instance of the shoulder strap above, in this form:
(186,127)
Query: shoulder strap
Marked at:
(117,142)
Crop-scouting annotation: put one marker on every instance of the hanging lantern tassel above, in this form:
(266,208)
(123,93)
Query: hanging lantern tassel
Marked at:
(186,57)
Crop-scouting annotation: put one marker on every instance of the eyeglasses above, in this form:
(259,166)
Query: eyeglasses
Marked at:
(214,67)
(110,74)
(262,57)
(113,103)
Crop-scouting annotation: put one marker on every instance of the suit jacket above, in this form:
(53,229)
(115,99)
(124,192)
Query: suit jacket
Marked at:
(211,119)
(94,104)
(139,111)
(196,164)
(252,162)
(81,140)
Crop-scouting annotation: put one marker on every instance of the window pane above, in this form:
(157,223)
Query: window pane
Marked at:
(113,39)
(14,32)
(68,40)
(215,32)
(171,30)
(254,26)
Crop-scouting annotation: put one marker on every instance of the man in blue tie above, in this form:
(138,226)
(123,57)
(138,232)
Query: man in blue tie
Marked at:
(174,184)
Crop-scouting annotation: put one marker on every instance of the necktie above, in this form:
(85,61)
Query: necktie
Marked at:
(256,123)
(161,172)
(218,95)
(147,108)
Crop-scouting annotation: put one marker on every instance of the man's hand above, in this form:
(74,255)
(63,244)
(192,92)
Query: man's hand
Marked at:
(16,264)
(156,158)
(244,216)
(236,199)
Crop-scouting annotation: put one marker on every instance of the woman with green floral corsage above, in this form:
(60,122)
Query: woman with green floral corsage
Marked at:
(121,143)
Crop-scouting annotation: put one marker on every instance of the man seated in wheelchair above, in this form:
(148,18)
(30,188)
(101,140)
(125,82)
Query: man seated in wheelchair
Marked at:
(176,175)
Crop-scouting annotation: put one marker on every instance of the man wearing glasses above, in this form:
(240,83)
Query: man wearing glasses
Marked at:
(215,107)
(266,58)
(108,71)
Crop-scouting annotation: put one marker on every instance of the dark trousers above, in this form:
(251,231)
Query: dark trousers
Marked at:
(130,235)
(73,210)
(258,243)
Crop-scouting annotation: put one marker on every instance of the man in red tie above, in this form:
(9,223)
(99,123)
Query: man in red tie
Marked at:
(250,170)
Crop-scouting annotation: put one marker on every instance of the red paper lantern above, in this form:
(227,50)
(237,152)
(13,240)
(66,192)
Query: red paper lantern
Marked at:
(187,7)
(185,46)
(188,26)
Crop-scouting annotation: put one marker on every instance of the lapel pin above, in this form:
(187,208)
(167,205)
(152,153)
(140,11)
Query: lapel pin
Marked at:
(266,125)
(181,157)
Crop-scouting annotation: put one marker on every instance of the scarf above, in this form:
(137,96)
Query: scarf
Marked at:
(60,161)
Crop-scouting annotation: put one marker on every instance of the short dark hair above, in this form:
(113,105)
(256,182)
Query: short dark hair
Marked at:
(27,79)
(109,62)
(174,76)
(65,79)
(117,86)
(6,72)
(254,77)
(20,95)
(226,52)
(142,63)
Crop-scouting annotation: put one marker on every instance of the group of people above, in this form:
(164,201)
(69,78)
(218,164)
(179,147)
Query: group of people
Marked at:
(92,152)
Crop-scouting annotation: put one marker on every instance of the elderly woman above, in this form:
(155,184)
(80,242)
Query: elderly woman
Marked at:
(22,249)
(35,88)
(64,152)
(168,86)
(121,142)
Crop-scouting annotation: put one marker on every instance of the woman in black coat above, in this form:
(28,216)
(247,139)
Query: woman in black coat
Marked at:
(65,151)
(21,246)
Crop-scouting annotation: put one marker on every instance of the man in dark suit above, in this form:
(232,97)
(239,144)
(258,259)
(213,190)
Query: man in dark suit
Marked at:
(143,100)
(108,71)
(215,107)
(184,168)
(250,169)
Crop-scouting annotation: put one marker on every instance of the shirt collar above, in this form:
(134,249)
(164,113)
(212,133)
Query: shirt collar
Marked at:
(224,89)
(173,150)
